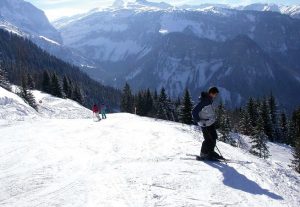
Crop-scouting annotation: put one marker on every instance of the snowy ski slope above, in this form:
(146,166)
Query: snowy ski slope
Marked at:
(131,161)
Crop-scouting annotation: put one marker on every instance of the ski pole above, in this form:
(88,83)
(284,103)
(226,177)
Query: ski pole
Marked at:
(221,155)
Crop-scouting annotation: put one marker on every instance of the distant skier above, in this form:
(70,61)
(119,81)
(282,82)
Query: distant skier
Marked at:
(103,111)
(96,112)
(204,115)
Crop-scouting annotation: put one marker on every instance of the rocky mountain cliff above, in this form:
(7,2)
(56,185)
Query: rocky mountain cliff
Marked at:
(246,53)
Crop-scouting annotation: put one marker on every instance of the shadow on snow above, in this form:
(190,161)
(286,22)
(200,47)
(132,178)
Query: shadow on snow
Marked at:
(234,179)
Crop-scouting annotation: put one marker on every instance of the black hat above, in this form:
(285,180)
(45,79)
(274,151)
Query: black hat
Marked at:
(213,90)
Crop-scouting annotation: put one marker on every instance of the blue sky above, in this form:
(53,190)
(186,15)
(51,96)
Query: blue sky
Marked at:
(58,8)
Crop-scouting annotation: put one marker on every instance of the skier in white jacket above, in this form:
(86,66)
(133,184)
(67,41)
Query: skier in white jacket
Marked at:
(204,115)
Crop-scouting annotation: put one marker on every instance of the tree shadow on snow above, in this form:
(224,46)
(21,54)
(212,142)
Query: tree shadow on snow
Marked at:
(234,179)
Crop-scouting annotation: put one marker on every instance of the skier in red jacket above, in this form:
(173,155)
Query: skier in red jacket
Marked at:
(96,112)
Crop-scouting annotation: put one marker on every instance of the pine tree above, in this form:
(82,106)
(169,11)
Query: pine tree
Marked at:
(273,108)
(296,121)
(140,104)
(163,106)
(148,102)
(296,154)
(4,83)
(245,126)
(284,128)
(235,116)
(26,94)
(172,110)
(67,88)
(46,83)
(291,133)
(72,87)
(220,114)
(267,122)
(252,111)
(224,125)
(177,105)
(155,95)
(55,86)
(225,129)
(77,96)
(153,112)
(274,117)
(30,82)
(296,140)
(127,100)
(294,129)
(186,108)
(259,140)
(161,111)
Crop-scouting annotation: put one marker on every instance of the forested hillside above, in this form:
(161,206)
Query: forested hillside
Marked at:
(20,57)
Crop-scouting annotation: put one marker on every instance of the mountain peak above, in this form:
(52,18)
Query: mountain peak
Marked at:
(162,5)
(262,7)
(118,3)
(142,1)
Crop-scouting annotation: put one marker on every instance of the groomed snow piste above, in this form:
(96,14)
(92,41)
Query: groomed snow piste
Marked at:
(131,161)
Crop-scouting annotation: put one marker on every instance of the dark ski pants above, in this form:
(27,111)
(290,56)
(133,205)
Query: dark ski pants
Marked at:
(210,138)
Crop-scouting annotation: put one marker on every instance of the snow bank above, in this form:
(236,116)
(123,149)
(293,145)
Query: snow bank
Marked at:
(13,108)
(280,153)
(53,107)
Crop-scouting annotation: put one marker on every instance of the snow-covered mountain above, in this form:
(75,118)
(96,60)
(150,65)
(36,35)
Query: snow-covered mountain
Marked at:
(140,4)
(179,48)
(160,5)
(27,19)
(118,4)
(204,6)
(121,42)
(22,18)
(291,10)
(128,160)
(262,7)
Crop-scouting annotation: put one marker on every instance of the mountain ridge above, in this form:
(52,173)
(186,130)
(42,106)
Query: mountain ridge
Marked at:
(124,46)
(26,20)
(21,56)
(116,39)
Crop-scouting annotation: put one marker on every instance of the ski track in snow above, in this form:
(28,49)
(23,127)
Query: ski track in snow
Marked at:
(130,161)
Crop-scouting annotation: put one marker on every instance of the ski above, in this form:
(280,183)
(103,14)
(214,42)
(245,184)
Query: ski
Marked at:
(198,158)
